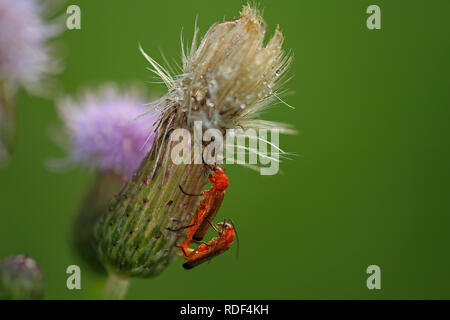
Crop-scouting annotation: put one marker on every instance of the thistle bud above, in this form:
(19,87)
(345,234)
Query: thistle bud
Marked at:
(21,278)
(226,81)
(104,136)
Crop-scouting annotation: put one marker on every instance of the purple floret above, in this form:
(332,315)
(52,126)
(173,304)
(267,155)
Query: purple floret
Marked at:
(106,132)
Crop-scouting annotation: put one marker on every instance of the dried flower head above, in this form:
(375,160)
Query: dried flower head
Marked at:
(226,81)
(104,131)
(229,78)
(25,55)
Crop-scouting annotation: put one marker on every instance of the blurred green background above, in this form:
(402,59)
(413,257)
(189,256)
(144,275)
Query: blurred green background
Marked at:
(370,184)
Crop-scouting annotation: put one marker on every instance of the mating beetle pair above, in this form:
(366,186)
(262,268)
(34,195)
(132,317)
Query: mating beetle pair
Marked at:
(202,220)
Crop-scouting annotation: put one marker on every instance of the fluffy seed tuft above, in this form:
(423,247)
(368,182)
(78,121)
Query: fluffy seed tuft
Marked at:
(229,78)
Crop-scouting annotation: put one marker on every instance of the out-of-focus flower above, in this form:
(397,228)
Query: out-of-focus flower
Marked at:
(21,278)
(108,130)
(26,57)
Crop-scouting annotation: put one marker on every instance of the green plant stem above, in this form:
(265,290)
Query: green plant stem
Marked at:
(8,116)
(115,288)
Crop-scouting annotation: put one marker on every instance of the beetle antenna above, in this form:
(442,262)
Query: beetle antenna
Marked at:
(189,194)
(237,238)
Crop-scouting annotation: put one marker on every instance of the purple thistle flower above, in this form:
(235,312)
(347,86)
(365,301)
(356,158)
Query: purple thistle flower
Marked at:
(25,56)
(108,130)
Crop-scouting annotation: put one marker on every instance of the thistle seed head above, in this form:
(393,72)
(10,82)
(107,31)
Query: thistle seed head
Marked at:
(229,78)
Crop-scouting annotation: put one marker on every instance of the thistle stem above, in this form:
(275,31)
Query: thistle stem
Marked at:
(8,116)
(115,288)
